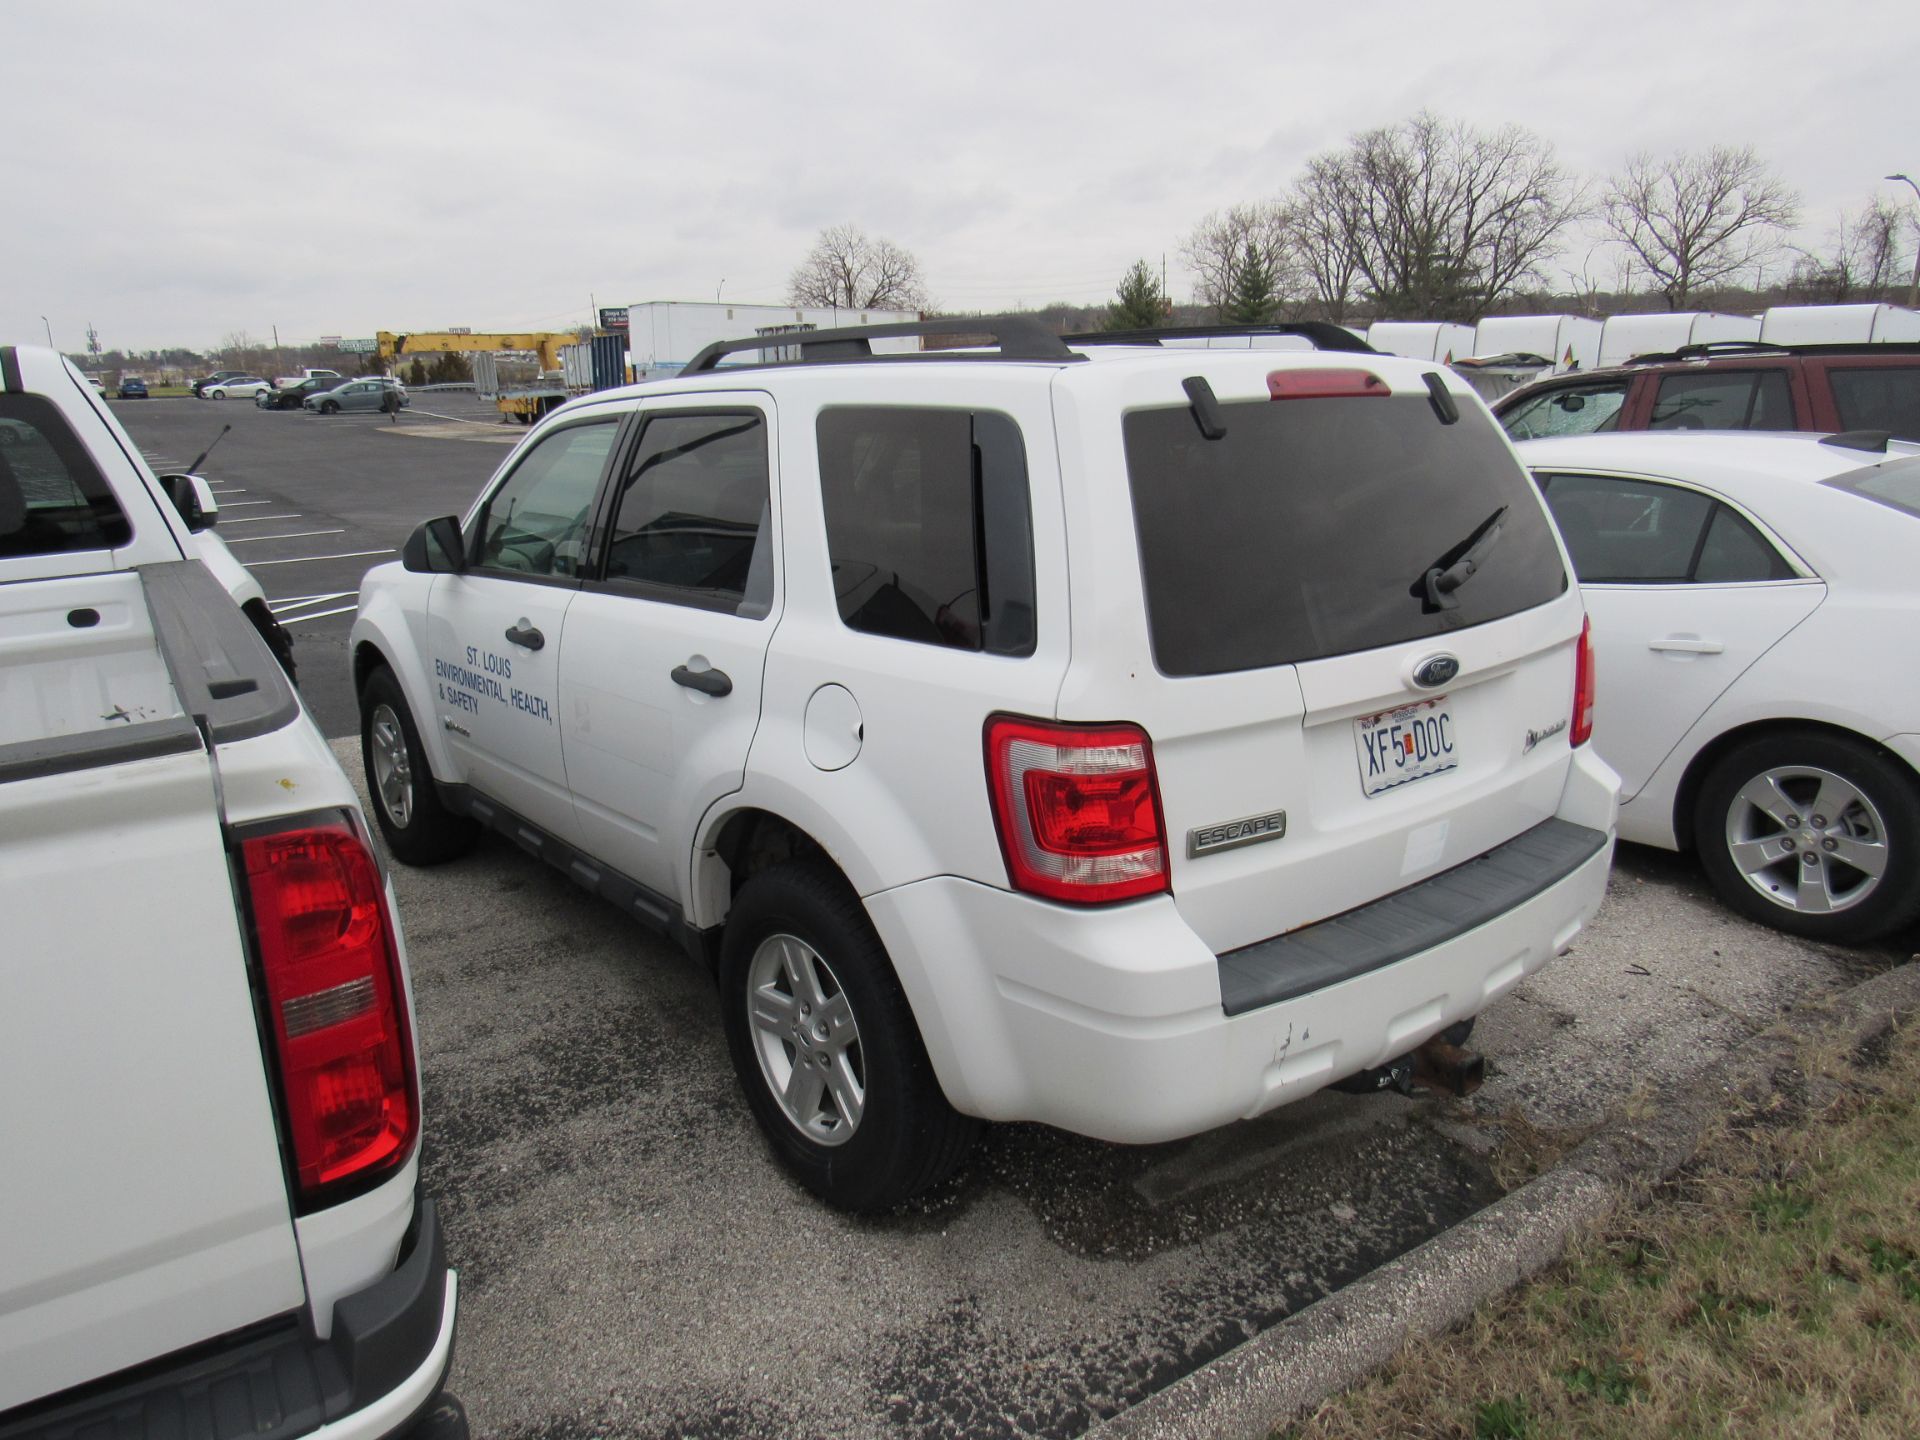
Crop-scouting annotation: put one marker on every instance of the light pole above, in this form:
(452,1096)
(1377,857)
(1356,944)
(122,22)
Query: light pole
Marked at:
(1913,291)
(49,325)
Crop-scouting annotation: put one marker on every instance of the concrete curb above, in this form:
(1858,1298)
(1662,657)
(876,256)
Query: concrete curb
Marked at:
(1283,1373)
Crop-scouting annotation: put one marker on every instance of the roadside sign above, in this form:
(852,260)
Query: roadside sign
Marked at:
(613,317)
(359,347)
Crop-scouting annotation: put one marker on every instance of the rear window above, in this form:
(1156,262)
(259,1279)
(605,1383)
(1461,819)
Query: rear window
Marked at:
(52,498)
(1878,399)
(1896,484)
(1309,529)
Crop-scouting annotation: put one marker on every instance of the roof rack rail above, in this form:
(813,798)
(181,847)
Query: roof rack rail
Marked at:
(1324,334)
(1014,337)
(1704,349)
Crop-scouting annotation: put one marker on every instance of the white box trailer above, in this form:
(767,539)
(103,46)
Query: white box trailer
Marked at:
(1422,339)
(1571,342)
(1624,336)
(1838,324)
(663,335)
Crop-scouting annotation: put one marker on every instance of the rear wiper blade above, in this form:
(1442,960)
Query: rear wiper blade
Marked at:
(1439,583)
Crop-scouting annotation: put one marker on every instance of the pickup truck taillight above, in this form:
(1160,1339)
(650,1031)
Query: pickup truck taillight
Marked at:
(337,1007)
(1077,809)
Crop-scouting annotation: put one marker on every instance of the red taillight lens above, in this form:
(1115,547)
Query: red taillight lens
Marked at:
(337,1010)
(1583,686)
(1077,809)
(1324,385)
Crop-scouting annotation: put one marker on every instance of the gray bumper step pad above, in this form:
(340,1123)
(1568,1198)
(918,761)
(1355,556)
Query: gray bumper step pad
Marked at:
(1407,922)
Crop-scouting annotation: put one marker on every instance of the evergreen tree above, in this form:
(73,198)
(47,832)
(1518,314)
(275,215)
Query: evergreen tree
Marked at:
(1254,298)
(1141,304)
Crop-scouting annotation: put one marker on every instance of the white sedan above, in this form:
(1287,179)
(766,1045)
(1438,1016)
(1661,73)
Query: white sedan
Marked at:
(239,387)
(1755,602)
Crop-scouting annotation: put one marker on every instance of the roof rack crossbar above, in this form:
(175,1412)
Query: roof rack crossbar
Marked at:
(1014,337)
(1324,334)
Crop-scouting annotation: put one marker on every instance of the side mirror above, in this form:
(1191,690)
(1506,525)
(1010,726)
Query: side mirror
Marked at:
(192,496)
(436,547)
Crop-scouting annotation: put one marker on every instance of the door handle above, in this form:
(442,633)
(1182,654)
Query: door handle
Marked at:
(527,635)
(711,682)
(1686,645)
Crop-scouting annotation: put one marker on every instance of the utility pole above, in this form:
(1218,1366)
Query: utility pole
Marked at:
(1913,291)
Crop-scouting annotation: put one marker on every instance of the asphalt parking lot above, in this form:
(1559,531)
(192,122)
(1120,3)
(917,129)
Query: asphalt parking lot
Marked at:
(633,1263)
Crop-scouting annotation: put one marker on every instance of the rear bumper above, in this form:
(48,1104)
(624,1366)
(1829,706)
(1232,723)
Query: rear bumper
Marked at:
(1115,1023)
(381,1369)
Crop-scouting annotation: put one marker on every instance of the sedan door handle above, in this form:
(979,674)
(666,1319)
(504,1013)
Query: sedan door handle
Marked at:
(1687,645)
(527,635)
(710,682)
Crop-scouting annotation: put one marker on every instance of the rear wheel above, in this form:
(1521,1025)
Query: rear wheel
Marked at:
(826,1047)
(418,828)
(1815,834)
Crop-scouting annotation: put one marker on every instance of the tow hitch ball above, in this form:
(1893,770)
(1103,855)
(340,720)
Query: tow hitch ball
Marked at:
(1436,1065)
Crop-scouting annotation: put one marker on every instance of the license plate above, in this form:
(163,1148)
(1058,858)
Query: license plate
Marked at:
(1407,743)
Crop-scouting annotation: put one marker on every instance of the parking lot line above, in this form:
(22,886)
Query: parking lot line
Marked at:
(256,519)
(302,559)
(322,614)
(238,503)
(287,604)
(290,535)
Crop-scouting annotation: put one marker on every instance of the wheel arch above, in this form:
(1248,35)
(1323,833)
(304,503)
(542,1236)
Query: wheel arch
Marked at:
(372,646)
(1687,793)
(738,843)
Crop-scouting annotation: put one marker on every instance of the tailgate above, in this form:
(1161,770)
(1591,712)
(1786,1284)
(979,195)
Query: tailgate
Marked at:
(142,1197)
(1291,571)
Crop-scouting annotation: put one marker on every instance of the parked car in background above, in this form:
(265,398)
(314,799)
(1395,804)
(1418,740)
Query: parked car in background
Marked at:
(1754,601)
(282,381)
(289,397)
(236,387)
(222,1230)
(1736,385)
(369,394)
(132,387)
(199,386)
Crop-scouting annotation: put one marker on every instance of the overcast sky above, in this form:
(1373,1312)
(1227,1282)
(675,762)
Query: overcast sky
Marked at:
(175,174)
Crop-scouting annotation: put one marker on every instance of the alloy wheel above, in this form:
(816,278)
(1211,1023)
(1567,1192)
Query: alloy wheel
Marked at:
(807,1041)
(1807,839)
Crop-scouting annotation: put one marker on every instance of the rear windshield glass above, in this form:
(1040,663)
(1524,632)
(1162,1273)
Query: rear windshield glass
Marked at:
(1310,528)
(1896,483)
(51,497)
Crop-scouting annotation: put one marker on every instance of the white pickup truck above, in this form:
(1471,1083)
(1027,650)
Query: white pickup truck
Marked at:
(209,1195)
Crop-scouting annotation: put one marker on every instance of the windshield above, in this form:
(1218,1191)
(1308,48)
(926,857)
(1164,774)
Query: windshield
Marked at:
(1312,528)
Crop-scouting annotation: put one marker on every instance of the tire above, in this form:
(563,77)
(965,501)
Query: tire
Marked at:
(799,947)
(1864,878)
(418,828)
(329,407)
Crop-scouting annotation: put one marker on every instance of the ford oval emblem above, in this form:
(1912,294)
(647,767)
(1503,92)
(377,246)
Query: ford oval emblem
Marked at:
(1435,671)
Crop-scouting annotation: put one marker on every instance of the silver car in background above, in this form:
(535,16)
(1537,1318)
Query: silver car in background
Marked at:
(366,394)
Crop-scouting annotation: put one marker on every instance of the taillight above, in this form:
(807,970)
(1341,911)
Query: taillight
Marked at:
(337,1009)
(1324,385)
(1077,809)
(1583,686)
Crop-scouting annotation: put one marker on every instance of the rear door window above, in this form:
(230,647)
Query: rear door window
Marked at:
(1724,400)
(1569,410)
(1622,530)
(1886,399)
(52,497)
(1310,527)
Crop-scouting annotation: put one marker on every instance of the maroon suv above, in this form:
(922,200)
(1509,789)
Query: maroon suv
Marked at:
(1737,385)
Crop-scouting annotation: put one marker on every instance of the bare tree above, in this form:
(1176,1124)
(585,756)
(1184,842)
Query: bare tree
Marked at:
(1696,220)
(847,269)
(1320,235)
(1434,218)
(1222,245)
(1863,257)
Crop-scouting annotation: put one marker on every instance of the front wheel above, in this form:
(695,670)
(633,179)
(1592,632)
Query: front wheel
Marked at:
(826,1047)
(330,407)
(418,828)
(1816,834)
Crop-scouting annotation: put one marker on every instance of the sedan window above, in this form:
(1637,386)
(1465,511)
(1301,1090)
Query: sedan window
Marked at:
(1569,410)
(1640,532)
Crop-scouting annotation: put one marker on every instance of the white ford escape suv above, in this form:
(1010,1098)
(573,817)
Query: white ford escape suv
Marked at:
(1127,736)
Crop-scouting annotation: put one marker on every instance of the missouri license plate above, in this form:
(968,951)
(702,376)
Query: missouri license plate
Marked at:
(1407,743)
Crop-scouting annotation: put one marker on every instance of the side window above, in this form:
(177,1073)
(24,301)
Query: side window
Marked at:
(929,527)
(52,498)
(1724,400)
(1878,399)
(1570,410)
(1622,530)
(693,524)
(536,522)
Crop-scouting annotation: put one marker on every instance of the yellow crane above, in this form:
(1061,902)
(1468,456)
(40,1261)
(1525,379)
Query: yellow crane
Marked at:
(525,406)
